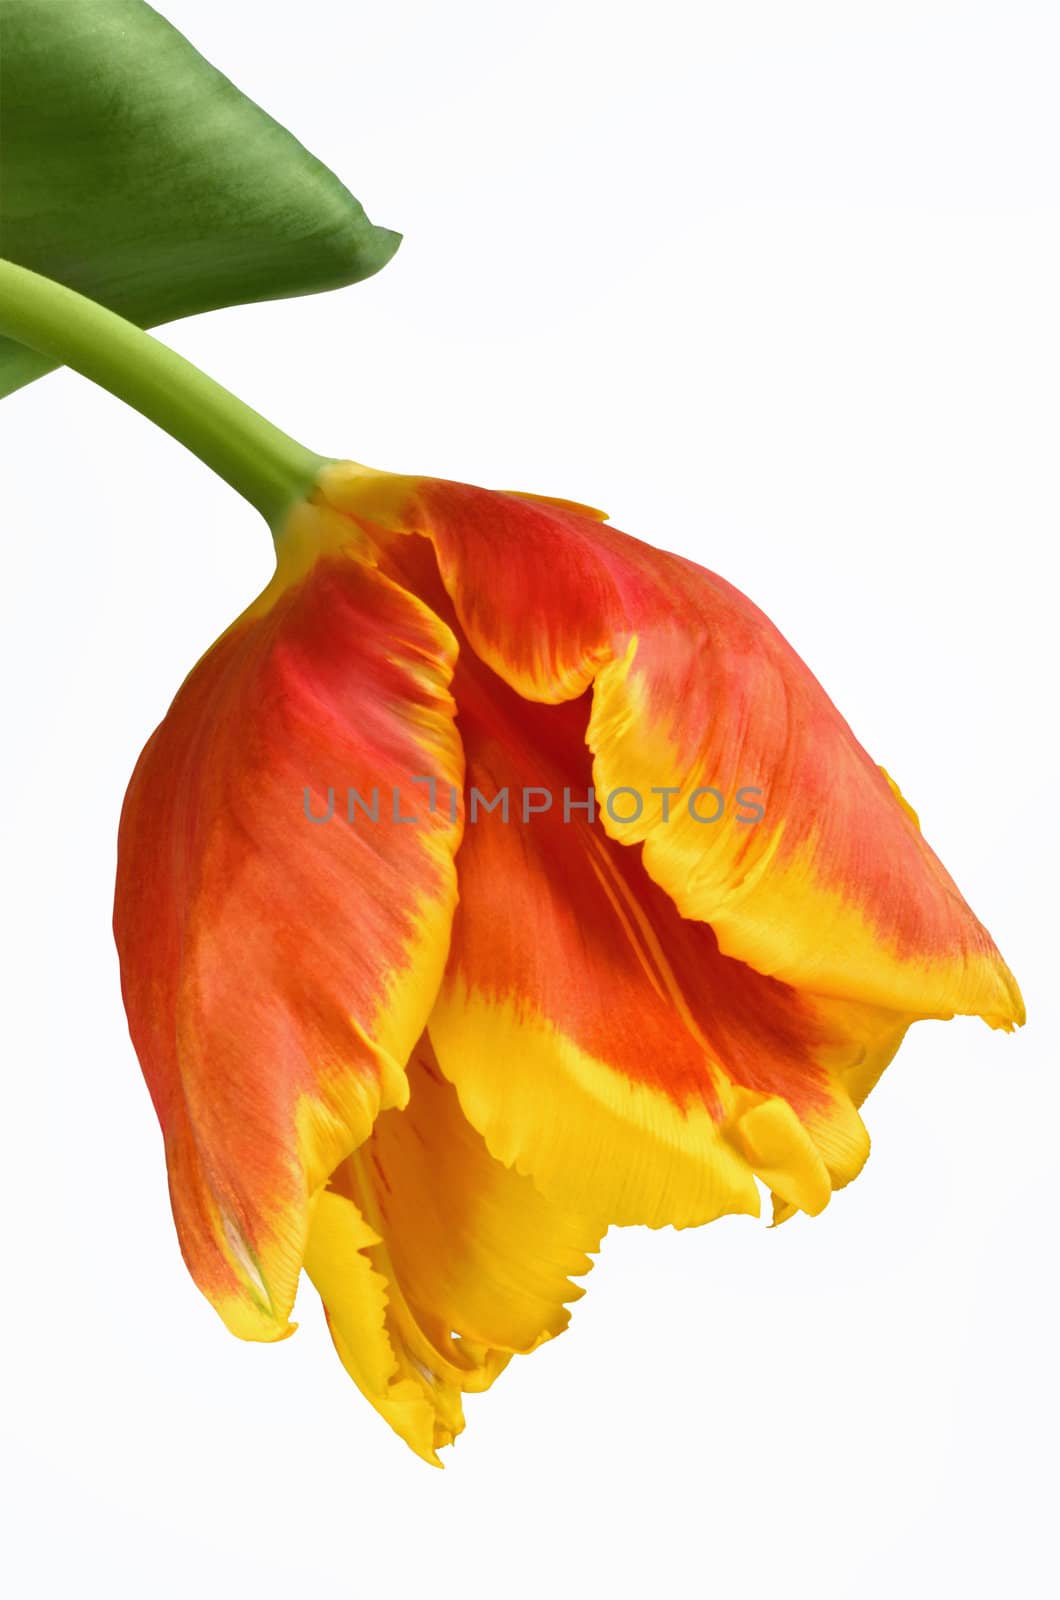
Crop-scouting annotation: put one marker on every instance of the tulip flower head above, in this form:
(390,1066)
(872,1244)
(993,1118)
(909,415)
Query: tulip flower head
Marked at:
(496,878)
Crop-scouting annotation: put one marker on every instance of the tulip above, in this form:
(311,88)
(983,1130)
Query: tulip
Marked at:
(429,1059)
(427,1050)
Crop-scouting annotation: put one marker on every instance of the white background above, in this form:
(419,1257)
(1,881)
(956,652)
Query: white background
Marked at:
(777,285)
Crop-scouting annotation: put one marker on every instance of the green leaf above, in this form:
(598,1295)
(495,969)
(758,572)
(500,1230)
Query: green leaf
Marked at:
(135,172)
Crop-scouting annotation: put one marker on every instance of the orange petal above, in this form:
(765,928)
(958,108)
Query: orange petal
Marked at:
(601,1043)
(532,594)
(834,889)
(470,1261)
(277,970)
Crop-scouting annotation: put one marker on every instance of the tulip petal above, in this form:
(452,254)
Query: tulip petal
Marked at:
(476,1248)
(601,1043)
(277,970)
(436,1263)
(834,890)
(533,597)
(355,1299)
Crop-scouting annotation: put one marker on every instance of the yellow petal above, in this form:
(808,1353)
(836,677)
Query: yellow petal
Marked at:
(355,1298)
(436,1263)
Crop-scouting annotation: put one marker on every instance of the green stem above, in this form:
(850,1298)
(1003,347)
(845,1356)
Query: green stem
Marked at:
(260,462)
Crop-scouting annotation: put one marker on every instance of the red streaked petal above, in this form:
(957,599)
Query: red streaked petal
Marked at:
(834,890)
(534,599)
(277,971)
(601,1043)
